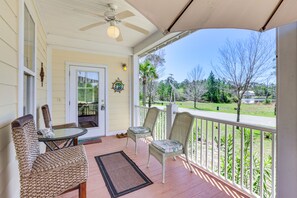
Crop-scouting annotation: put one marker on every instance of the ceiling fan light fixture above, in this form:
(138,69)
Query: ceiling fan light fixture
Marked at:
(113,31)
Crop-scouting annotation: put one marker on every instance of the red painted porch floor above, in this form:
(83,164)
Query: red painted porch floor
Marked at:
(179,181)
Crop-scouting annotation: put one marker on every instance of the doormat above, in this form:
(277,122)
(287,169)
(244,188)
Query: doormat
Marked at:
(121,174)
(91,140)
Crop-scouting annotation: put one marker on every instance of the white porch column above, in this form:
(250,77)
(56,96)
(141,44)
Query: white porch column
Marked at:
(171,109)
(134,90)
(287,111)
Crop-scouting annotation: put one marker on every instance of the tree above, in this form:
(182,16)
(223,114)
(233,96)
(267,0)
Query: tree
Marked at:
(244,62)
(196,88)
(147,74)
(157,59)
(151,90)
(212,93)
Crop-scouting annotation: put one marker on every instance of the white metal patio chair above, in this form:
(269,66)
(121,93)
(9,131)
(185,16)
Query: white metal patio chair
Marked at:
(146,130)
(177,143)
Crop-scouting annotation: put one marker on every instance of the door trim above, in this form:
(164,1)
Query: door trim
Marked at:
(67,88)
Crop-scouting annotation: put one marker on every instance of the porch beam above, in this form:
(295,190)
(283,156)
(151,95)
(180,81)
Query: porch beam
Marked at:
(156,41)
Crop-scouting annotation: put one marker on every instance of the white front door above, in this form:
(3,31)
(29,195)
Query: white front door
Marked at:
(87,99)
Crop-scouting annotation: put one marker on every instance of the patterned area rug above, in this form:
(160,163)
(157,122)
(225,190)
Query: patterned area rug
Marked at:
(121,174)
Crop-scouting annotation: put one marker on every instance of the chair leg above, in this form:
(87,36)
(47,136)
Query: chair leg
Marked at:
(148,160)
(83,190)
(127,141)
(136,146)
(163,171)
(189,163)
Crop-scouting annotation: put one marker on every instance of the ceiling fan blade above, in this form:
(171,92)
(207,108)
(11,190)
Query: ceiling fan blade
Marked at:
(91,26)
(124,14)
(120,37)
(85,12)
(136,28)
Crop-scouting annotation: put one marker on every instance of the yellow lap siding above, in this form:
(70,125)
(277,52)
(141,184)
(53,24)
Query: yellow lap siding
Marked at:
(8,35)
(9,16)
(8,54)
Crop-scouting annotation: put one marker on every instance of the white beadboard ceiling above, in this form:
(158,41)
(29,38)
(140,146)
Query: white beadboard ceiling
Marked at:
(62,18)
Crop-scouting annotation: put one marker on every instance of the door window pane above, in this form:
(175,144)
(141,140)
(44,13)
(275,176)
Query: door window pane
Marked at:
(29,40)
(87,93)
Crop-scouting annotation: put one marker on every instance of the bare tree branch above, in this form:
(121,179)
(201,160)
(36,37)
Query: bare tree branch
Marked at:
(244,62)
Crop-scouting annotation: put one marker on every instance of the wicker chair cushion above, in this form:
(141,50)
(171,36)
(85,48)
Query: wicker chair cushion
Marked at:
(139,129)
(72,156)
(167,146)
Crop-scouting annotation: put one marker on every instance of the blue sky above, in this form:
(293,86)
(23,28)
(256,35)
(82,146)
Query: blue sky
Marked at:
(200,48)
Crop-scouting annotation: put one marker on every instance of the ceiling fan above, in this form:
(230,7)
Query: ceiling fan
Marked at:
(113,19)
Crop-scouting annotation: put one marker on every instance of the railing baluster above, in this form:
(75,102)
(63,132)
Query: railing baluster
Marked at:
(196,140)
(164,125)
(157,129)
(206,145)
(251,161)
(261,162)
(233,154)
(242,157)
(226,150)
(212,144)
(192,137)
(219,148)
(201,143)
(162,135)
(273,166)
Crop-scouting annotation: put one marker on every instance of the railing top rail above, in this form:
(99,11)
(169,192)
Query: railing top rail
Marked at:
(239,124)
(148,108)
(141,107)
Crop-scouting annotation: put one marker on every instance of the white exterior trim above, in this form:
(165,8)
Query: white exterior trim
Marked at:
(67,94)
(22,68)
(49,78)
(135,89)
(21,58)
(286,111)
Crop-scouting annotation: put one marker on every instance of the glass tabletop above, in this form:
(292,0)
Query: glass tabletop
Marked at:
(66,133)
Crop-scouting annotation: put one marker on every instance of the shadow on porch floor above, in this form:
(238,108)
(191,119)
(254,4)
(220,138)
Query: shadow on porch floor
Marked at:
(179,181)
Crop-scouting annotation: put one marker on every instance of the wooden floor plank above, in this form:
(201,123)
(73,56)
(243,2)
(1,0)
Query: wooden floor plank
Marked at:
(180,182)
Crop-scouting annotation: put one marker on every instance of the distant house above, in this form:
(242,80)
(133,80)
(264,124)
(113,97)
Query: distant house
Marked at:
(249,97)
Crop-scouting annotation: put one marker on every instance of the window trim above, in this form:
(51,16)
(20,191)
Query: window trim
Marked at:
(22,69)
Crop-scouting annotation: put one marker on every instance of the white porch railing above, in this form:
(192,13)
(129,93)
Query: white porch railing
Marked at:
(241,154)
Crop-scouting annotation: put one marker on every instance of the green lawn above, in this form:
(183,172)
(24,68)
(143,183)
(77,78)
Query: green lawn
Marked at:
(259,109)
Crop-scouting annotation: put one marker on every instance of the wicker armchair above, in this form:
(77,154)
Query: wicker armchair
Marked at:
(49,174)
(48,124)
(177,143)
(146,130)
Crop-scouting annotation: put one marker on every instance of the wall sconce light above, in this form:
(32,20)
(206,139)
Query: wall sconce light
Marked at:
(41,74)
(124,66)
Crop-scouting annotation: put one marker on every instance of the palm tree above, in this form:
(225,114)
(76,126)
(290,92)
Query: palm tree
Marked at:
(147,73)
